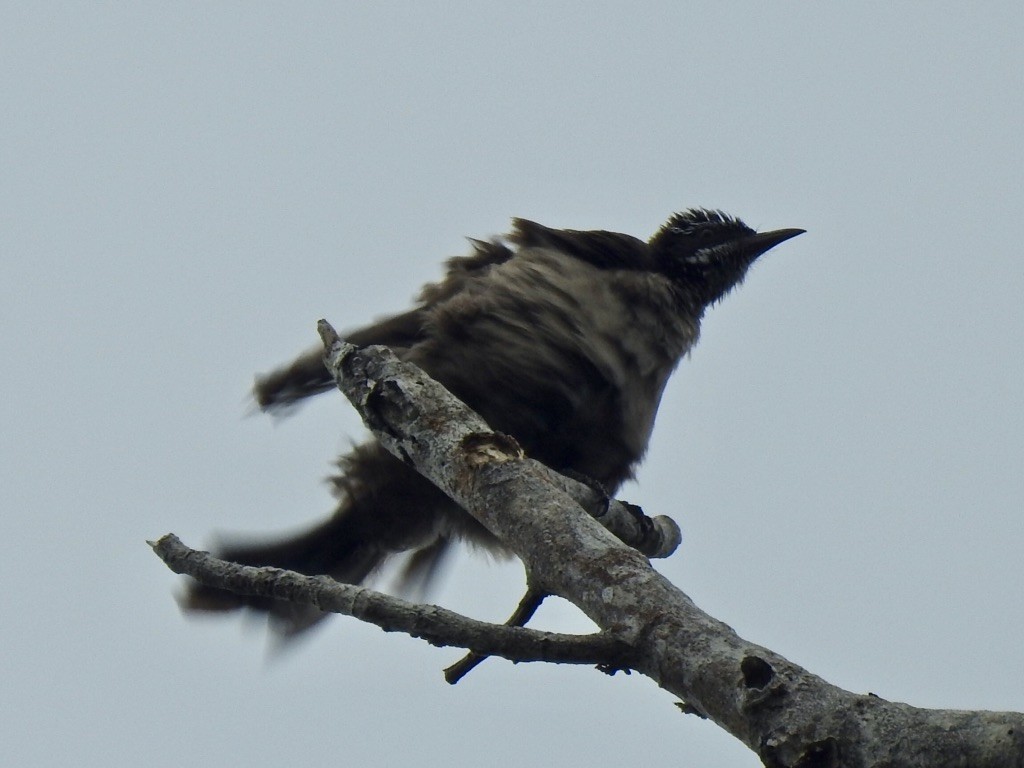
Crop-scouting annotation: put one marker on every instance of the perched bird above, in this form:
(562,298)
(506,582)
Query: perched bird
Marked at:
(563,339)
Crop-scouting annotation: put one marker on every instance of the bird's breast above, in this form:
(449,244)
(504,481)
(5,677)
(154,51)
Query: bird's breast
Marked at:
(561,354)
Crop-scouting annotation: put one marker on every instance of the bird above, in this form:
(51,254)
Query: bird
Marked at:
(563,339)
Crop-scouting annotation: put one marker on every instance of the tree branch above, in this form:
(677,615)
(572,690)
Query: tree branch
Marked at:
(788,716)
(438,626)
(523,613)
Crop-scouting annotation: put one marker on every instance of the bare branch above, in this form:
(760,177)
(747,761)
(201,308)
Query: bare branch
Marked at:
(787,715)
(438,626)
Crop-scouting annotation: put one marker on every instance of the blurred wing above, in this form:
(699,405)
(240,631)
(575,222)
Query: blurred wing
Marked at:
(306,376)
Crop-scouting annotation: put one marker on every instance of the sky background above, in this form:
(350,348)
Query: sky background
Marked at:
(186,188)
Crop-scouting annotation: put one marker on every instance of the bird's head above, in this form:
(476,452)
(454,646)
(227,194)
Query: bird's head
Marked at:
(707,253)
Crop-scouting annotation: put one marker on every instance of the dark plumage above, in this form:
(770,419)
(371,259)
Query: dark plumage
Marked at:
(563,339)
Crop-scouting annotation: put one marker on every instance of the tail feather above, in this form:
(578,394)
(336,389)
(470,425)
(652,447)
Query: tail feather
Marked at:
(385,508)
(421,570)
(329,549)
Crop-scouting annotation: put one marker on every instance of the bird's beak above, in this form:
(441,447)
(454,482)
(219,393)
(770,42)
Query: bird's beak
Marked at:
(758,243)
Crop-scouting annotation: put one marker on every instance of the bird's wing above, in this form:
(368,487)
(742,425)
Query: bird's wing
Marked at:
(284,388)
(306,376)
(606,250)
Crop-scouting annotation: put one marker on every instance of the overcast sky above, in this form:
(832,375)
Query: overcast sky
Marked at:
(186,188)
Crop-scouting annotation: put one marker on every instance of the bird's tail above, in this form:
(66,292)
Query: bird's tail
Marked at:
(385,508)
(333,548)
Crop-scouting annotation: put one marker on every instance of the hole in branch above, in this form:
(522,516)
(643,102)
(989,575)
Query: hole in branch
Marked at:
(757,672)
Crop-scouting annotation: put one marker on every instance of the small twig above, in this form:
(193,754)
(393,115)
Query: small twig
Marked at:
(438,626)
(524,612)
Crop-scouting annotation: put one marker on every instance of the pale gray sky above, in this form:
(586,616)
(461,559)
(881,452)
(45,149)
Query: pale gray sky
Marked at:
(186,189)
